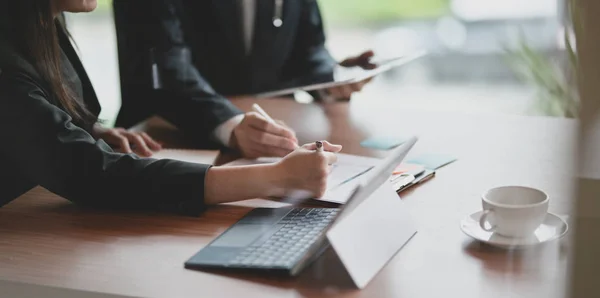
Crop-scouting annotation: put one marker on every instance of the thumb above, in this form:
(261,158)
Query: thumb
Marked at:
(360,60)
(365,60)
(367,55)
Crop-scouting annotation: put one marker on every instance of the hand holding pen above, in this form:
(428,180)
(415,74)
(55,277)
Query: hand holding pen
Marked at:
(259,135)
(319,145)
(306,169)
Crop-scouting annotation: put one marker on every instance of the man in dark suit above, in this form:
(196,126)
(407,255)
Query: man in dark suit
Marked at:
(215,49)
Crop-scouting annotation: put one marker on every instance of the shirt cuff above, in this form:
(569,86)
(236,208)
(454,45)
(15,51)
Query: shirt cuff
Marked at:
(324,96)
(223,132)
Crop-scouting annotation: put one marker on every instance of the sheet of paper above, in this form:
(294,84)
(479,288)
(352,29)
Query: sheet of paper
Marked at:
(343,178)
(195,156)
(346,159)
(344,175)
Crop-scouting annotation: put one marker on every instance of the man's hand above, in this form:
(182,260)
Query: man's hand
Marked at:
(256,137)
(345,91)
(125,141)
(363,60)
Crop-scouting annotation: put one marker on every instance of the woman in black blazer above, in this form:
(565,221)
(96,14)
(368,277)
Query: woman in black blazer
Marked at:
(49,112)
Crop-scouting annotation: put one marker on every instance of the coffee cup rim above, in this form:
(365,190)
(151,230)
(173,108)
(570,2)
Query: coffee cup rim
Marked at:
(484,197)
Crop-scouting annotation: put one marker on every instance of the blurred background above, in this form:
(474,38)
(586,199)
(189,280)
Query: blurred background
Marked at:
(485,56)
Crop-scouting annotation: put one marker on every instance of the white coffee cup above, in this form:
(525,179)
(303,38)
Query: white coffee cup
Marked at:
(513,211)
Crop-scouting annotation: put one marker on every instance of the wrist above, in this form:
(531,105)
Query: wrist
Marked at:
(325,96)
(97,130)
(229,184)
(224,133)
(276,180)
(233,141)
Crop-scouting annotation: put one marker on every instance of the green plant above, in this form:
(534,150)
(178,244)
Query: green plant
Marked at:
(555,82)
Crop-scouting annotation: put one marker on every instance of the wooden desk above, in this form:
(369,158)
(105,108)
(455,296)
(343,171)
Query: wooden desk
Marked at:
(46,240)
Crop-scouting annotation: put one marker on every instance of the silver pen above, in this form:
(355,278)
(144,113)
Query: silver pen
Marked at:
(319,146)
(262,112)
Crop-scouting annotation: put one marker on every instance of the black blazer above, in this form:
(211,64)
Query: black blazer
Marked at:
(42,146)
(199,43)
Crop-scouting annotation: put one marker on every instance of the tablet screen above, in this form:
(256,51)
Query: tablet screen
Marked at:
(347,75)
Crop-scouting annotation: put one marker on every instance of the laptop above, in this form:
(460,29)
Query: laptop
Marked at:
(286,240)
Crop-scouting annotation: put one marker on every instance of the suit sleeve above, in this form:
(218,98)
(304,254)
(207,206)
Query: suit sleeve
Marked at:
(65,159)
(310,62)
(179,92)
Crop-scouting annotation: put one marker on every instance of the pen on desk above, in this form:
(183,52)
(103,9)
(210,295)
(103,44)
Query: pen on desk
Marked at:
(262,112)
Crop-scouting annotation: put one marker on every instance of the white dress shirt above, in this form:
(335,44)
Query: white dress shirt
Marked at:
(224,131)
(248,13)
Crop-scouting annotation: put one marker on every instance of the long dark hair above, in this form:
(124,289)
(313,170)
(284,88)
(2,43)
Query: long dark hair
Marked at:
(35,30)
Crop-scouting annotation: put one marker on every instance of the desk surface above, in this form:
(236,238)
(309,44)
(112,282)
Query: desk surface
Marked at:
(46,240)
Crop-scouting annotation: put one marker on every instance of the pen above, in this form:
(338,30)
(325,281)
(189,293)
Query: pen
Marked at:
(262,112)
(319,145)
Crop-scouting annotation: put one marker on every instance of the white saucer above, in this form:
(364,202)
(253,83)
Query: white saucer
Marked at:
(552,228)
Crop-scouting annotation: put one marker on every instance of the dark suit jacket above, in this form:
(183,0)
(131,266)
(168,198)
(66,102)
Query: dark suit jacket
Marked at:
(41,145)
(199,43)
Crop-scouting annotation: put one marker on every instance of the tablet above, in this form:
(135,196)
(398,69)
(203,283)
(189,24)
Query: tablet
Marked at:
(348,75)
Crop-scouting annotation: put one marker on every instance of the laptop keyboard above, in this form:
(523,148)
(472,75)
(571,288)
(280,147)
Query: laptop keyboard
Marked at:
(283,249)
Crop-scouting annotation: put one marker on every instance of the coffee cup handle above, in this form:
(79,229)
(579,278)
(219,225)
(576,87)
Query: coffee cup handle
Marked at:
(483,220)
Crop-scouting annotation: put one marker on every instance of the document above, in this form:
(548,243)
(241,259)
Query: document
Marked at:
(343,178)
(196,156)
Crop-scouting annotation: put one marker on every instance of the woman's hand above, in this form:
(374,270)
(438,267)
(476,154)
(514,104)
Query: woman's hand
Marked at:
(306,169)
(125,141)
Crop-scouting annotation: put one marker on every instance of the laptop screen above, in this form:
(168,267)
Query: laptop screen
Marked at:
(376,177)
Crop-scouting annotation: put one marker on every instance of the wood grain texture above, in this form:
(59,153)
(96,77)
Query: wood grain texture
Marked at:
(47,240)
